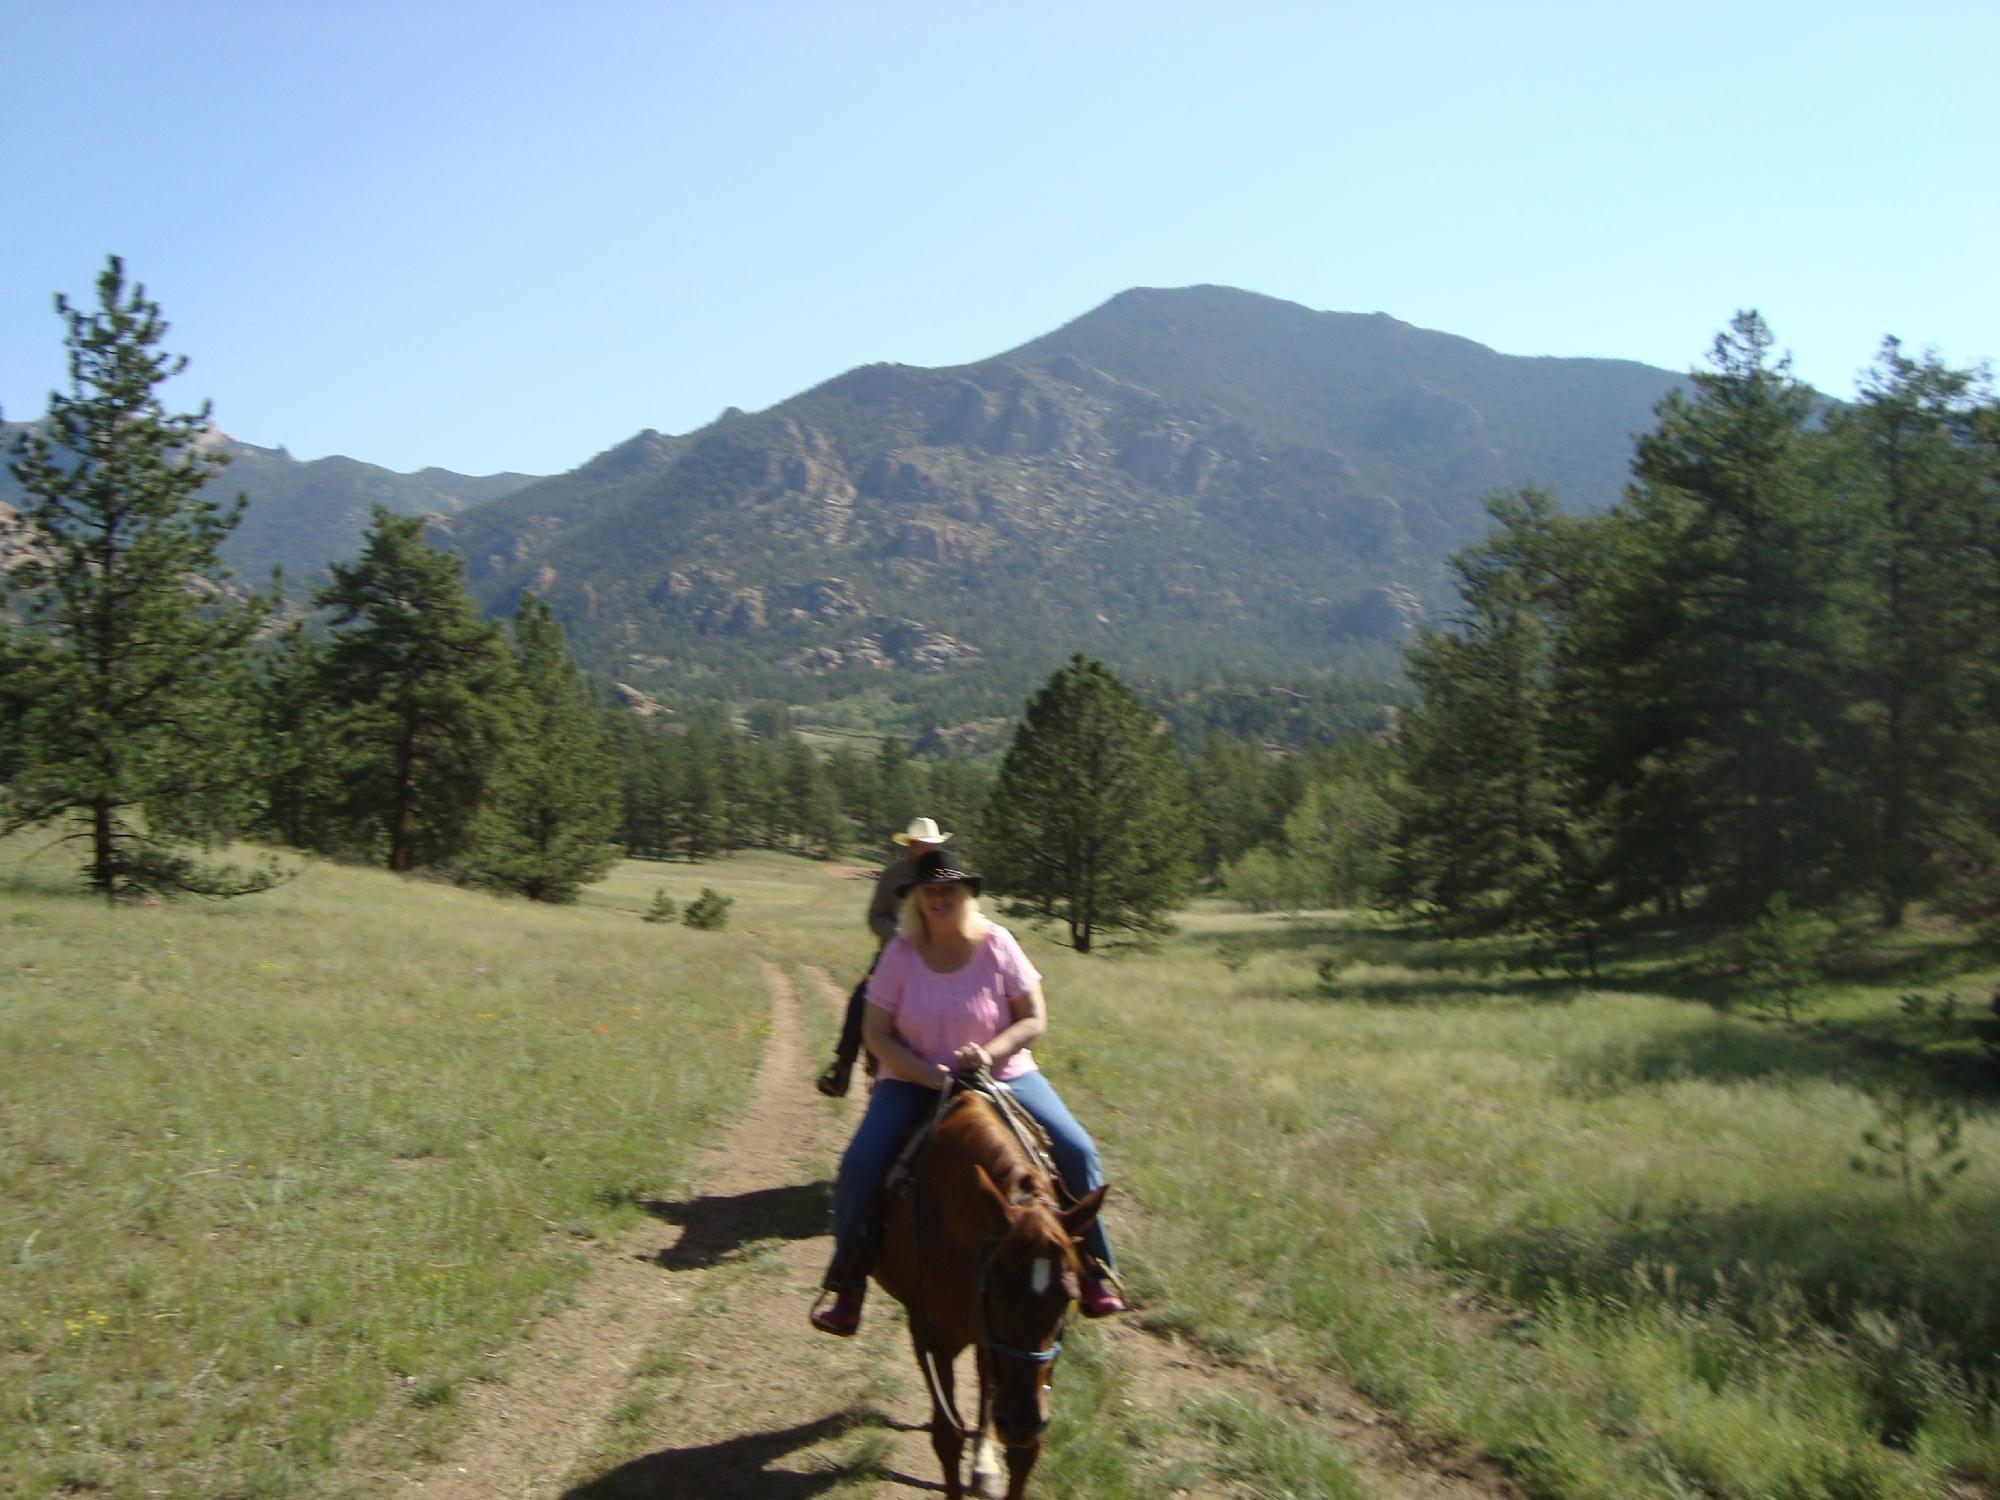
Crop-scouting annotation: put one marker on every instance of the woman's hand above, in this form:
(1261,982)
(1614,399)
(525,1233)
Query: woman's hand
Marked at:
(971,1057)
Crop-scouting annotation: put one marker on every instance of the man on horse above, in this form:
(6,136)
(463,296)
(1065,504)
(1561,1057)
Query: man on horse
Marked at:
(918,839)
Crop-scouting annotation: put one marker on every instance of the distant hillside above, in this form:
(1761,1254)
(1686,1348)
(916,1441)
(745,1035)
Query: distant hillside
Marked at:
(305,514)
(1189,482)
(1193,484)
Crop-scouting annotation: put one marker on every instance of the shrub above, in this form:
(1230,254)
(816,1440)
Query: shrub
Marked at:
(708,911)
(1778,957)
(662,909)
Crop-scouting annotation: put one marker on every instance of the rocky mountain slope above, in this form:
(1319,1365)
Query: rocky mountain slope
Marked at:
(1182,482)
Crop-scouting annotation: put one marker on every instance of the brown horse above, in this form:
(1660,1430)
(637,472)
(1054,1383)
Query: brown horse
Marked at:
(978,1251)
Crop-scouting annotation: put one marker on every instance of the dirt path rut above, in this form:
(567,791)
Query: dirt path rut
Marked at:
(689,1347)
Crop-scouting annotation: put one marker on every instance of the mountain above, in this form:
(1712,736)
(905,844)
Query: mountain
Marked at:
(1182,482)
(303,515)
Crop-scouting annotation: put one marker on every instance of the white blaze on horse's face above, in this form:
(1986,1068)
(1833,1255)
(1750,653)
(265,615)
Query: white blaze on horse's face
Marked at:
(1043,1274)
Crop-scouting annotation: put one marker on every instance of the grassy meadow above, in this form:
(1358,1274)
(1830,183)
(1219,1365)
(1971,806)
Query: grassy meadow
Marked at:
(1608,1233)
(279,1176)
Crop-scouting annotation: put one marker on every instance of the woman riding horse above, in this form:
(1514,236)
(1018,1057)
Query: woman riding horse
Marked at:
(951,991)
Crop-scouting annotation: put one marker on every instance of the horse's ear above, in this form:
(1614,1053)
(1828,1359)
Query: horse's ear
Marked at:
(994,1200)
(1077,1217)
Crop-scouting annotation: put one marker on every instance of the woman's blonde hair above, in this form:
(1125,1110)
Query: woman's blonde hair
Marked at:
(910,918)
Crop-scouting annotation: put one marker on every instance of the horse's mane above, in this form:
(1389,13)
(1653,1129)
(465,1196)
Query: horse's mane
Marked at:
(984,1137)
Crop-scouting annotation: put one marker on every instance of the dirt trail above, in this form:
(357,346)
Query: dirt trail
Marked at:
(756,1404)
(686,1368)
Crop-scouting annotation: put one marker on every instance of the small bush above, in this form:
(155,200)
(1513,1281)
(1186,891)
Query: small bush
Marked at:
(662,909)
(708,911)
(1917,1140)
(1778,957)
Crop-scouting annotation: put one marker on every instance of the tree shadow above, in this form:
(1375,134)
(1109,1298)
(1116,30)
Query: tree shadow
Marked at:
(1719,1052)
(739,1468)
(1433,991)
(1834,1258)
(1746,1051)
(715,1227)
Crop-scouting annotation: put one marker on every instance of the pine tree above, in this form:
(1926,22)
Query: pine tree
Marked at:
(423,688)
(1916,500)
(699,816)
(957,796)
(1717,630)
(892,800)
(1089,820)
(123,695)
(1340,833)
(1229,786)
(651,789)
(1485,782)
(546,824)
(296,723)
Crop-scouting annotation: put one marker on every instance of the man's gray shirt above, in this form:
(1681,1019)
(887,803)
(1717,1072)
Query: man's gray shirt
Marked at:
(882,910)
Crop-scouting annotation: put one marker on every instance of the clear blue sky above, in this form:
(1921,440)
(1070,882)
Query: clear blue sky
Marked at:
(505,235)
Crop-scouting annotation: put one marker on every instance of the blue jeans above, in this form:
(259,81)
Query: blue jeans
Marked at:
(895,1106)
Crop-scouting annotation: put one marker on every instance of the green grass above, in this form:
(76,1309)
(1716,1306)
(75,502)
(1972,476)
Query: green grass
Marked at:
(282,1173)
(1607,1234)
(279,1177)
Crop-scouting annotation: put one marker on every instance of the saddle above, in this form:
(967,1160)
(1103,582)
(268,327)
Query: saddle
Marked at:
(1024,1127)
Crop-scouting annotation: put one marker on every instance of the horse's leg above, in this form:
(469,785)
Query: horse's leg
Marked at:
(946,1440)
(1020,1464)
(986,1480)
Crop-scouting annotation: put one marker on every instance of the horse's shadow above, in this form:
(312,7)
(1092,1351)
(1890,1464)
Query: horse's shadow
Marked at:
(715,1227)
(738,1468)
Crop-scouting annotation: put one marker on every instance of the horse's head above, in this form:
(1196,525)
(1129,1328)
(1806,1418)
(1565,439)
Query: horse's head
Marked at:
(1030,1277)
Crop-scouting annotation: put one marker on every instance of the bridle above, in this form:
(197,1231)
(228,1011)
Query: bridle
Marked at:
(989,1343)
(986,1343)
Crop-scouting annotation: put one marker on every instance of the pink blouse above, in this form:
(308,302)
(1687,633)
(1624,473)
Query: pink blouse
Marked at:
(936,1014)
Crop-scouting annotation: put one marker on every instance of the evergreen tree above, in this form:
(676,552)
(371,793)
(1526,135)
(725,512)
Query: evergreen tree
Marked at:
(814,805)
(1718,642)
(1340,833)
(1090,820)
(1917,500)
(766,809)
(1229,785)
(892,800)
(546,825)
(700,815)
(653,794)
(123,696)
(296,724)
(956,795)
(1485,787)
(424,690)
(1975,840)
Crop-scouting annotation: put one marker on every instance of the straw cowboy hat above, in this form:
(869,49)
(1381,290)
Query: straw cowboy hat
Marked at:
(921,830)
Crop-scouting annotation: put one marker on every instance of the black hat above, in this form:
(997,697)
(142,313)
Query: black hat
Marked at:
(934,867)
